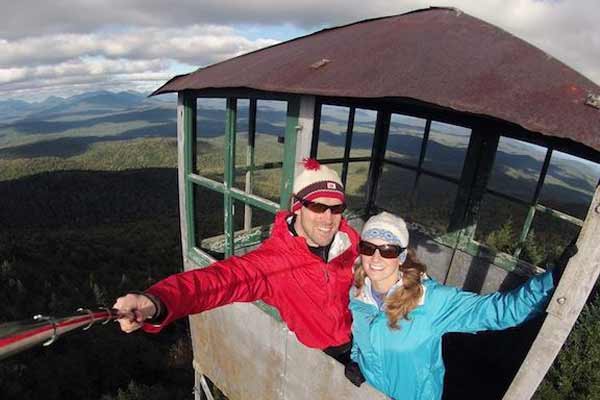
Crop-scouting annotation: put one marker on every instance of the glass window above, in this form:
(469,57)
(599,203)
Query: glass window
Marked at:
(210,135)
(332,131)
(446,149)
(257,216)
(500,223)
(270,127)
(517,168)
(241,140)
(363,132)
(394,190)
(208,217)
(405,139)
(570,184)
(356,184)
(547,239)
(434,203)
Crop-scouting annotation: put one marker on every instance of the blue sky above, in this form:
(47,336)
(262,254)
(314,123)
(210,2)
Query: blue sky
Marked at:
(67,47)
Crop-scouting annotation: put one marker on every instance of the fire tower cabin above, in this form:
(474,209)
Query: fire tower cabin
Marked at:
(488,147)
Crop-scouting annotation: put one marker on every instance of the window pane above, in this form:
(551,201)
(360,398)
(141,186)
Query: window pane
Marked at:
(434,203)
(208,218)
(356,185)
(570,184)
(446,149)
(394,190)
(363,132)
(241,139)
(256,217)
(500,223)
(517,168)
(270,125)
(267,184)
(332,131)
(210,149)
(405,139)
(547,239)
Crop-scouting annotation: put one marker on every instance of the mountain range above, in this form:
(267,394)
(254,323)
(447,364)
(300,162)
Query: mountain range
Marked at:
(95,102)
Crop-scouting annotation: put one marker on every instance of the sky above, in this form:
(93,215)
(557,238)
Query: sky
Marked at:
(66,47)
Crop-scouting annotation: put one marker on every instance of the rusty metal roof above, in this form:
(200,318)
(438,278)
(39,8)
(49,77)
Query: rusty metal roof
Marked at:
(440,56)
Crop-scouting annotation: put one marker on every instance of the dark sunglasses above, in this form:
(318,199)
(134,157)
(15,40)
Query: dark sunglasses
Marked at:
(385,250)
(320,208)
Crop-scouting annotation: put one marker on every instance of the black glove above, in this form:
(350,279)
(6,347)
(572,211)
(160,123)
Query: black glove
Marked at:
(558,269)
(352,372)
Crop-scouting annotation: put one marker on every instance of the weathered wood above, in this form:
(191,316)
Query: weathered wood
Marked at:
(570,296)
(250,355)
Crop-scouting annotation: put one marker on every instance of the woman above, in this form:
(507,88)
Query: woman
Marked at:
(400,314)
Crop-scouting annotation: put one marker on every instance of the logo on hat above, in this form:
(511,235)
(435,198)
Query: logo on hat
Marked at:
(331,185)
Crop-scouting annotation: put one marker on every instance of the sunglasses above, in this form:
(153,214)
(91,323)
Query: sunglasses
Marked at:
(320,208)
(385,250)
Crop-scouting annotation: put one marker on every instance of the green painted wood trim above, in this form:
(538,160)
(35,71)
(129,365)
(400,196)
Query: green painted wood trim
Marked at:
(207,183)
(269,310)
(260,167)
(237,194)
(525,231)
(200,258)
(254,200)
(250,162)
(534,200)
(502,260)
(189,165)
(289,153)
(348,144)
(382,128)
(242,239)
(559,214)
(230,125)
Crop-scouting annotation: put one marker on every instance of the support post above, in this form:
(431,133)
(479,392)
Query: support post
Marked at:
(250,161)
(186,160)
(228,209)
(575,286)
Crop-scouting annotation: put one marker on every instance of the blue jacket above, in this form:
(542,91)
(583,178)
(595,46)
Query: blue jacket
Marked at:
(407,363)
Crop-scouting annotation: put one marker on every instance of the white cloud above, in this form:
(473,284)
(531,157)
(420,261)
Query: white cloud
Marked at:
(93,41)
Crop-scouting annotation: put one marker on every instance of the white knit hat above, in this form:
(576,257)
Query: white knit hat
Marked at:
(314,181)
(388,227)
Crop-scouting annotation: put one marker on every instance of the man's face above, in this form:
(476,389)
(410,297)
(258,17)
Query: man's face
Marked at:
(318,229)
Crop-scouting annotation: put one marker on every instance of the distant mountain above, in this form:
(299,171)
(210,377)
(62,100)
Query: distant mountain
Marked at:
(89,103)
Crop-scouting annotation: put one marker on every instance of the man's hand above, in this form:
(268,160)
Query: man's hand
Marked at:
(133,310)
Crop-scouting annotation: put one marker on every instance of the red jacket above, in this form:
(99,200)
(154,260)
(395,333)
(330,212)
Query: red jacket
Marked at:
(310,295)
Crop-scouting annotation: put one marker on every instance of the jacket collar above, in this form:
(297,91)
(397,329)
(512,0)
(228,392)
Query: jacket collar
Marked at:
(341,240)
(366,294)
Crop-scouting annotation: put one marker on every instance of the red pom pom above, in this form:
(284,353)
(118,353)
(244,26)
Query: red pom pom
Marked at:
(311,163)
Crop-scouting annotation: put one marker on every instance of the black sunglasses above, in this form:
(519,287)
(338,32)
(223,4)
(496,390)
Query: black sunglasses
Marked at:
(320,208)
(385,250)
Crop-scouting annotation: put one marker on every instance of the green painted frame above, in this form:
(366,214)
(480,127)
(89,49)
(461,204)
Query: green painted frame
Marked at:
(231,240)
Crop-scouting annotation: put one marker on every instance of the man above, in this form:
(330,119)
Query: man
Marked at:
(304,270)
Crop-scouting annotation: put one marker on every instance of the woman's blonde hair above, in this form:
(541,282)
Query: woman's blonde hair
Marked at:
(404,299)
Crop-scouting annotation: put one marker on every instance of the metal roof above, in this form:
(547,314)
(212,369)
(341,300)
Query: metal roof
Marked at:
(439,56)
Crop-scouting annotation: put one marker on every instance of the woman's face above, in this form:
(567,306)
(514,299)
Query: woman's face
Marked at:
(383,272)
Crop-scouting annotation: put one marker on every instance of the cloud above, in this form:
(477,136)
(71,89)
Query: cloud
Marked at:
(52,60)
(198,45)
